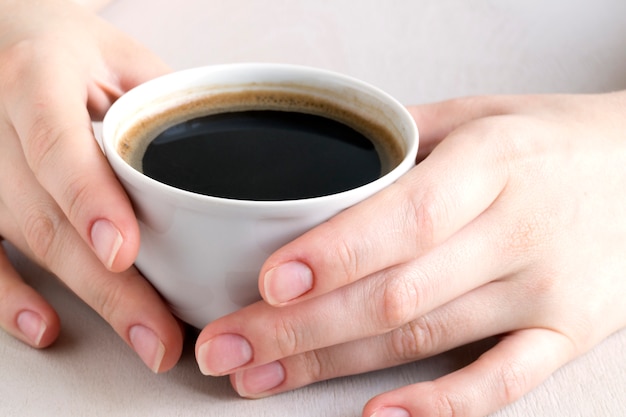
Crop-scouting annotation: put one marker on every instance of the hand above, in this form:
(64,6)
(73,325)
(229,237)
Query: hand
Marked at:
(60,203)
(514,225)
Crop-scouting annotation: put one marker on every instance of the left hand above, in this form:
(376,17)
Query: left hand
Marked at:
(514,225)
(61,205)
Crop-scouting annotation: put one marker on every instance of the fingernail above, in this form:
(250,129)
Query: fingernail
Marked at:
(256,381)
(391,412)
(223,353)
(148,346)
(287,281)
(106,240)
(32,326)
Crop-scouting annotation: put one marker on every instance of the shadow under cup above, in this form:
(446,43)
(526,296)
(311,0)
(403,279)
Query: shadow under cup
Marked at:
(203,253)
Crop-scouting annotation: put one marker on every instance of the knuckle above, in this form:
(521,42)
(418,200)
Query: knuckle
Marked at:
(41,227)
(77,194)
(314,366)
(513,381)
(414,340)
(287,336)
(108,300)
(347,258)
(399,301)
(42,141)
(445,405)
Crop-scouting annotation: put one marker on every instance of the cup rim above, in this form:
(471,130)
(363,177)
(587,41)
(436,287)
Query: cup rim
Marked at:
(129,175)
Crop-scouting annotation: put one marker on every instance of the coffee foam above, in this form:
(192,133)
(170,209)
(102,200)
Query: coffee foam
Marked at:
(183,106)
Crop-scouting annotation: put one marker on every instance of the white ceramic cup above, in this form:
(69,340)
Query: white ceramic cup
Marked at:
(202,253)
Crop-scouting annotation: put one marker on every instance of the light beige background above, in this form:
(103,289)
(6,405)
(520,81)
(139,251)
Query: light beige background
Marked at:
(418,50)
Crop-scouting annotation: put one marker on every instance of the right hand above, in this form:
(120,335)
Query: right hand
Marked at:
(60,203)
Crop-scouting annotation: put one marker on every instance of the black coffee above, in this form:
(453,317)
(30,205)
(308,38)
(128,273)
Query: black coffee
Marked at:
(262,155)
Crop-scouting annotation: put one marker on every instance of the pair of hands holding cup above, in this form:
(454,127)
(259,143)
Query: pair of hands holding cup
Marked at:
(512,224)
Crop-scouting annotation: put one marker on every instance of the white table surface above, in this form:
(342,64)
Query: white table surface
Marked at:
(417,50)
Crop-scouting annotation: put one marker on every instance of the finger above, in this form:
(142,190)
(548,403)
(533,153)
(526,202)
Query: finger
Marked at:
(125,300)
(372,306)
(23,312)
(437,120)
(131,65)
(134,64)
(484,312)
(421,210)
(52,123)
(520,362)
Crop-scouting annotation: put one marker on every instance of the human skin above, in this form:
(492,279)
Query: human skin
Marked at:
(60,203)
(513,225)
(93,5)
